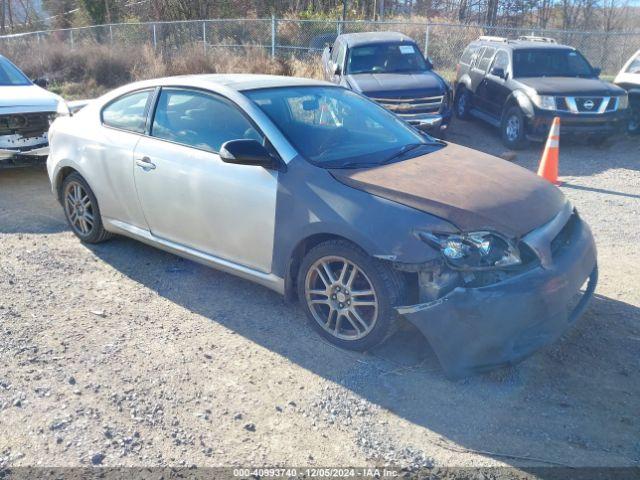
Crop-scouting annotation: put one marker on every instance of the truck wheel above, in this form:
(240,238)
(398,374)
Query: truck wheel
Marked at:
(348,296)
(513,128)
(598,140)
(81,210)
(633,127)
(463,103)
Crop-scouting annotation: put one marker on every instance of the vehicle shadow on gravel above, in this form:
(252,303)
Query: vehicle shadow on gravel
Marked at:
(578,158)
(27,204)
(573,403)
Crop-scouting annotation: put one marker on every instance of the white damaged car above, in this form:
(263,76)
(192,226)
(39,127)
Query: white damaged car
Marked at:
(26,111)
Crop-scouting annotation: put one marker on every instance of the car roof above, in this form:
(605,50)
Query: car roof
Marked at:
(367,38)
(521,45)
(235,81)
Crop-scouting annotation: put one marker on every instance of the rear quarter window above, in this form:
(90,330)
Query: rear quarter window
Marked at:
(128,112)
(467,55)
(634,66)
(486,59)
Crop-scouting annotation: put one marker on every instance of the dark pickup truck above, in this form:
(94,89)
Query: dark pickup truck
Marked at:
(389,68)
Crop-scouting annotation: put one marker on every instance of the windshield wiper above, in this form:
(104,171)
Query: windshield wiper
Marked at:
(405,149)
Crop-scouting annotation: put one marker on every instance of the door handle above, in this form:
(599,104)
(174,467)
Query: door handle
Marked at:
(145,163)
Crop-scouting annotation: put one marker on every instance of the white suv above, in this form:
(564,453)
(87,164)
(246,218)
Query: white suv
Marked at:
(26,111)
(629,79)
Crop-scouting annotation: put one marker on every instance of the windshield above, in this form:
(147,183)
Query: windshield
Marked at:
(335,128)
(386,58)
(550,63)
(11,75)
(634,66)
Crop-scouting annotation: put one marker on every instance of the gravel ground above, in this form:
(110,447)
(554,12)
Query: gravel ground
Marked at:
(120,354)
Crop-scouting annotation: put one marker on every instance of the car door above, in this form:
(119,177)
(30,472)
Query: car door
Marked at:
(189,195)
(479,78)
(497,89)
(123,123)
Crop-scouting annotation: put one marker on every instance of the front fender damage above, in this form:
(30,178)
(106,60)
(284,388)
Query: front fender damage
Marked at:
(477,326)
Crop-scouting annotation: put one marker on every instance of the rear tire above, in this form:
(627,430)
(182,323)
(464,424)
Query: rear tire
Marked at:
(81,210)
(463,104)
(335,301)
(512,128)
(633,127)
(598,140)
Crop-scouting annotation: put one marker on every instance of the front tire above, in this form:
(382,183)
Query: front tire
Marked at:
(633,126)
(81,210)
(512,128)
(348,296)
(463,104)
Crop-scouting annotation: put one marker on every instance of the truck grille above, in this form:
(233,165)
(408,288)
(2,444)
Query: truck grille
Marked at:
(587,104)
(411,106)
(25,124)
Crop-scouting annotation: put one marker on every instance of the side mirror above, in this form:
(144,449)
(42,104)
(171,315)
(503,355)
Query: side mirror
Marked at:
(336,69)
(597,71)
(429,63)
(247,152)
(42,82)
(498,72)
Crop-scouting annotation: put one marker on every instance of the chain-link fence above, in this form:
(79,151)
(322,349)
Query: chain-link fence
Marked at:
(443,43)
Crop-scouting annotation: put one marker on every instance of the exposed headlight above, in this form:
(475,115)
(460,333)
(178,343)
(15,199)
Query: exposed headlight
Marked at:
(63,109)
(446,99)
(474,250)
(545,102)
(623,102)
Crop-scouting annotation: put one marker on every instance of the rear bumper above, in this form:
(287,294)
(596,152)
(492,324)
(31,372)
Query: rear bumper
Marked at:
(473,330)
(605,124)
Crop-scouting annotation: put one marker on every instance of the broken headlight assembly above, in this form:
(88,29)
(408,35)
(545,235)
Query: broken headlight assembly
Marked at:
(61,111)
(481,250)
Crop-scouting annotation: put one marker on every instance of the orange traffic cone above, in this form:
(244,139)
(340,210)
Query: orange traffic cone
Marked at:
(548,168)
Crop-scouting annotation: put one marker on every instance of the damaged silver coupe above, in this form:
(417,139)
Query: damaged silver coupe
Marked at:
(325,197)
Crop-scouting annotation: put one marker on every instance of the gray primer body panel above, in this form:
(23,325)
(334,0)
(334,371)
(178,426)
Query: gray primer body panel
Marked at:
(310,201)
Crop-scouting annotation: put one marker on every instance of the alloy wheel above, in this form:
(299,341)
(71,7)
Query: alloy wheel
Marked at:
(462,104)
(341,298)
(79,208)
(513,128)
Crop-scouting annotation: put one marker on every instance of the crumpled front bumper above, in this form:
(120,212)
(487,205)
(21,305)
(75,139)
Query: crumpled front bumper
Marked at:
(473,330)
(40,152)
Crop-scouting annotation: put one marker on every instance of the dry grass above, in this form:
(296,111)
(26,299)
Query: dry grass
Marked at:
(90,69)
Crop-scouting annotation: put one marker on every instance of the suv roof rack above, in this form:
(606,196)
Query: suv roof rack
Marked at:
(489,38)
(534,38)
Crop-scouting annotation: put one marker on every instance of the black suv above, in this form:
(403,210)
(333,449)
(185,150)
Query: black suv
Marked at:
(520,85)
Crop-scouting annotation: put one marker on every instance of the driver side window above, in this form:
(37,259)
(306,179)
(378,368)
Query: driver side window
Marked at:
(341,54)
(634,66)
(501,61)
(200,120)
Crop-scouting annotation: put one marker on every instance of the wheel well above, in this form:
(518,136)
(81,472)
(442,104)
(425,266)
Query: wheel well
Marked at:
(303,247)
(62,174)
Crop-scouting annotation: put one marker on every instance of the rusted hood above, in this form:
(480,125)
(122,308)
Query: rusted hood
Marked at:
(470,189)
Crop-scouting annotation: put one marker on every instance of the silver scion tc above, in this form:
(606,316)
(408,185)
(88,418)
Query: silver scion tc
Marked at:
(322,195)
